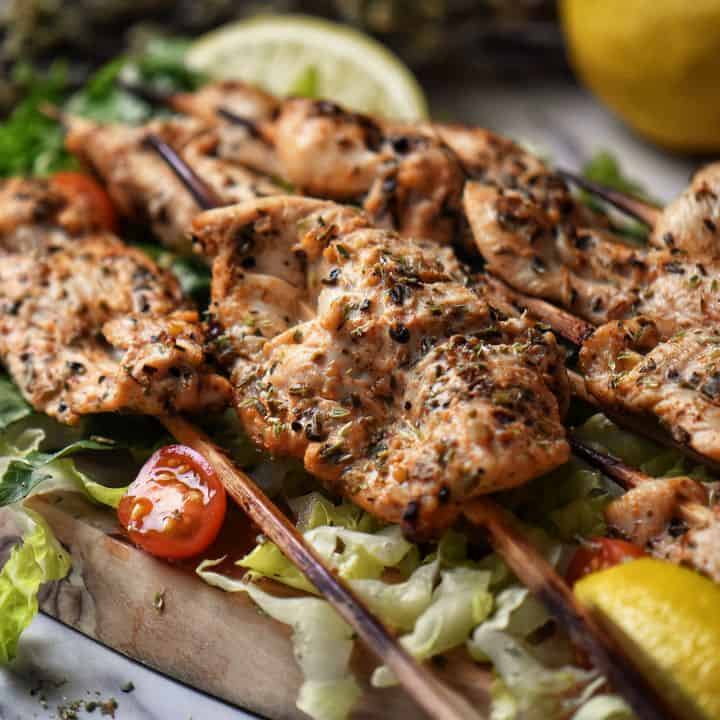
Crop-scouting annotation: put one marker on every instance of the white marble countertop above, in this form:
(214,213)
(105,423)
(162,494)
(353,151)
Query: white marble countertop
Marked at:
(57,664)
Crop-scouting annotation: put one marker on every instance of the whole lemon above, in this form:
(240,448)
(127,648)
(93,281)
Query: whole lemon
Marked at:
(656,63)
(668,619)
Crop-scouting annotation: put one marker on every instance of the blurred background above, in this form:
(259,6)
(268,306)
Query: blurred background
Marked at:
(654,64)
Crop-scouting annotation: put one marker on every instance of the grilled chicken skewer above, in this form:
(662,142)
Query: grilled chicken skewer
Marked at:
(142,186)
(647,512)
(578,331)
(526,224)
(395,170)
(89,325)
(405,391)
(513,193)
(410,181)
(634,377)
(314,231)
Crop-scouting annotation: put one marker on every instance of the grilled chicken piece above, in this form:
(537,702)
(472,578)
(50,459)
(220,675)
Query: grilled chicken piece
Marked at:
(671,518)
(336,154)
(644,513)
(691,223)
(498,162)
(404,390)
(695,546)
(522,243)
(680,294)
(144,188)
(677,381)
(89,325)
(587,270)
(248,103)
(33,214)
(266,132)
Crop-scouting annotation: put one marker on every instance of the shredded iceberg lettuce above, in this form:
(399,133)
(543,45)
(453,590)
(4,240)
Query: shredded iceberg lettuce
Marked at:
(568,502)
(315,510)
(536,681)
(459,603)
(334,531)
(39,559)
(400,604)
(322,642)
(645,454)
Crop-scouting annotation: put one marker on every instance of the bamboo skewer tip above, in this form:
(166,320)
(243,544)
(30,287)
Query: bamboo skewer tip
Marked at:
(635,207)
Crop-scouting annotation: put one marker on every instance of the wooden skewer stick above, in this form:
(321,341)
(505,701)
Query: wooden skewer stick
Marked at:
(572,328)
(534,571)
(202,193)
(434,697)
(641,210)
(629,477)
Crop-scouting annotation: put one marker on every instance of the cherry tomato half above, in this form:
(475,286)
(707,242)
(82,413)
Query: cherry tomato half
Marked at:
(599,554)
(73,184)
(176,505)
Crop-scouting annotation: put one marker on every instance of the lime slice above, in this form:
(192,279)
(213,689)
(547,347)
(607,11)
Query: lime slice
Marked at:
(294,54)
(669,623)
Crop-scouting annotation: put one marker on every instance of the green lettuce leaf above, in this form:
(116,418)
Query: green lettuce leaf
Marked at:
(267,560)
(39,559)
(24,472)
(459,603)
(322,642)
(605,169)
(158,65)
(31,143)
(192,274)
(306,83)
(568,502)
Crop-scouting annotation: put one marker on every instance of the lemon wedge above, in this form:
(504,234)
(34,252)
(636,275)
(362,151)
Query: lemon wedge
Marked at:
(295,54)
(669,623)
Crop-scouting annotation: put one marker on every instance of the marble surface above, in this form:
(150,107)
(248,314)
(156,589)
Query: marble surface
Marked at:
(58,664)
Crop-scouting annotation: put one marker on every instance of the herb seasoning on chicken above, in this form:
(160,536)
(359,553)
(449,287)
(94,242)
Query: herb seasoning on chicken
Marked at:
(366,355)
(89,325)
